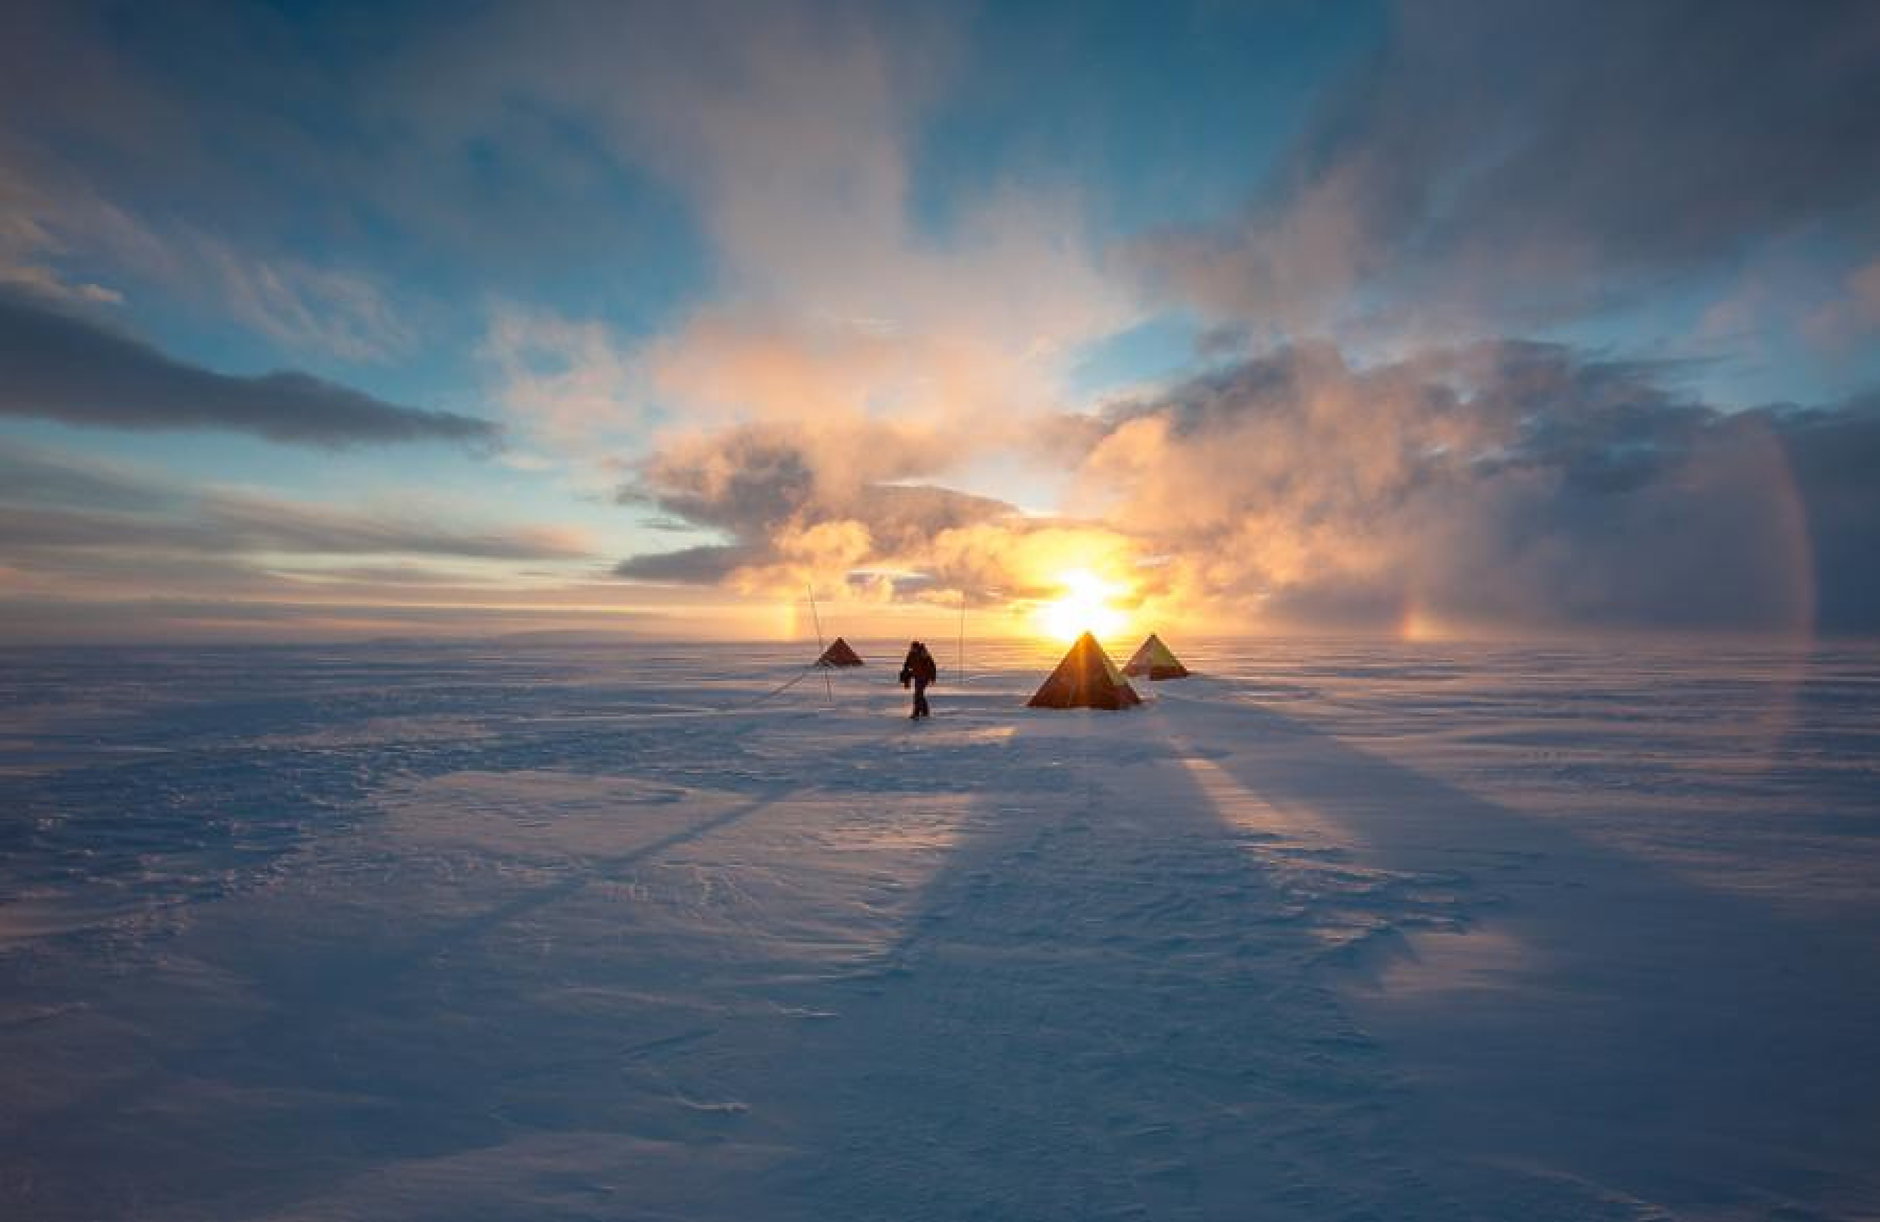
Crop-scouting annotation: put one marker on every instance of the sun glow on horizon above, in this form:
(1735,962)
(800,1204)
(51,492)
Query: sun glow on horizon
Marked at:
(1083,607)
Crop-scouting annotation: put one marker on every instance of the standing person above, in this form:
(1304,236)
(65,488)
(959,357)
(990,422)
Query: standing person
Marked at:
(920,669)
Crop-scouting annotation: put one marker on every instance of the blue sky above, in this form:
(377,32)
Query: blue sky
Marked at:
(623,315)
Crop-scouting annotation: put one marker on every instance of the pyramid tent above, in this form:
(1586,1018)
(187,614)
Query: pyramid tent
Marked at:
(1085,679)
(839,654)
(1155,661)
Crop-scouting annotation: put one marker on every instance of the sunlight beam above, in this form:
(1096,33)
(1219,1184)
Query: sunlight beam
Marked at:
(1083,607)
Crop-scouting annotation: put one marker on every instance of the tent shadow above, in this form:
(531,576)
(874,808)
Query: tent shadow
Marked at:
(1621,1023)
(1103,1006)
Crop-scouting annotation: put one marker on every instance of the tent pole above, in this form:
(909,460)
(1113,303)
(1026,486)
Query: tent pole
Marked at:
(829,687)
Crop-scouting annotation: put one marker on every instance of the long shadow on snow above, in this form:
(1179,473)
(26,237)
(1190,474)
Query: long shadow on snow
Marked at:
(1103,1007)
(1688,1044)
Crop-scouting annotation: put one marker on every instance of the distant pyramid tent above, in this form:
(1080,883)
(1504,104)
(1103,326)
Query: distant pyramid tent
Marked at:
(839,654)
(1155,661)
(1085,679)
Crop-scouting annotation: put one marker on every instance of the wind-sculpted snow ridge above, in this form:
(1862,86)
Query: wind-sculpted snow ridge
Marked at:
(551,932)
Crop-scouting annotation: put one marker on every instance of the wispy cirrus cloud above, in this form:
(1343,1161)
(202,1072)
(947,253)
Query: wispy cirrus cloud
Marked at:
(49,219)
(318,310)
(30,249)
(1501,164)
(98,550)
(572,382)
(59,503)
(832,297)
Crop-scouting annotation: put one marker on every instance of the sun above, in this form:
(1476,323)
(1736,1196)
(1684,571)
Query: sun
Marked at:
(1083,607)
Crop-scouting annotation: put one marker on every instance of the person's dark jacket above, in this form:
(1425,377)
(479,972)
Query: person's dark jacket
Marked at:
(919,667)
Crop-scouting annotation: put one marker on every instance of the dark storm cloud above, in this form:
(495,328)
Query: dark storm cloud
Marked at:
(57,366)
(1529,159)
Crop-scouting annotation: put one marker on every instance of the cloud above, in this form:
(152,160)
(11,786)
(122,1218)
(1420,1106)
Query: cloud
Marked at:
(569,380)
(1531,161)
(49,218)
(312,309)
(300,620)
(835,291)
(801,504)
(78,513)
(855,342)
(710,564)
(31,476)
(29,249)
(750,477)
(1492,486)
(59,366)
(257,523)
(236,526)
(1496,485)
(1851,316)
(106,551)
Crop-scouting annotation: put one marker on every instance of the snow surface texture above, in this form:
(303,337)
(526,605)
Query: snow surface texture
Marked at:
(578,933)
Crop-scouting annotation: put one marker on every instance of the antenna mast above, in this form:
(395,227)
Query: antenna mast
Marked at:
(959,653)
(829,687)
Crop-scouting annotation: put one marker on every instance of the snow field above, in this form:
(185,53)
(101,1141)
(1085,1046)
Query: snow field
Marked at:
(1335,931)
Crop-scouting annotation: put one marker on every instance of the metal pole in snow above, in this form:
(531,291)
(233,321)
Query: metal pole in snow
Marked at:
(829,687)
(959,653)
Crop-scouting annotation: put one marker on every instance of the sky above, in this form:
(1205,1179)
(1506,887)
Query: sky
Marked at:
(1469,317)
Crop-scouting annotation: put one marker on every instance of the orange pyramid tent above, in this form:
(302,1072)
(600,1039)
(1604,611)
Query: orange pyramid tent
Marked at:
(1085,679)
(1155,661)
(839,654)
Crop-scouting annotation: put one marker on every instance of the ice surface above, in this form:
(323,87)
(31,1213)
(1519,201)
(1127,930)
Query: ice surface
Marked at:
(538,931)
